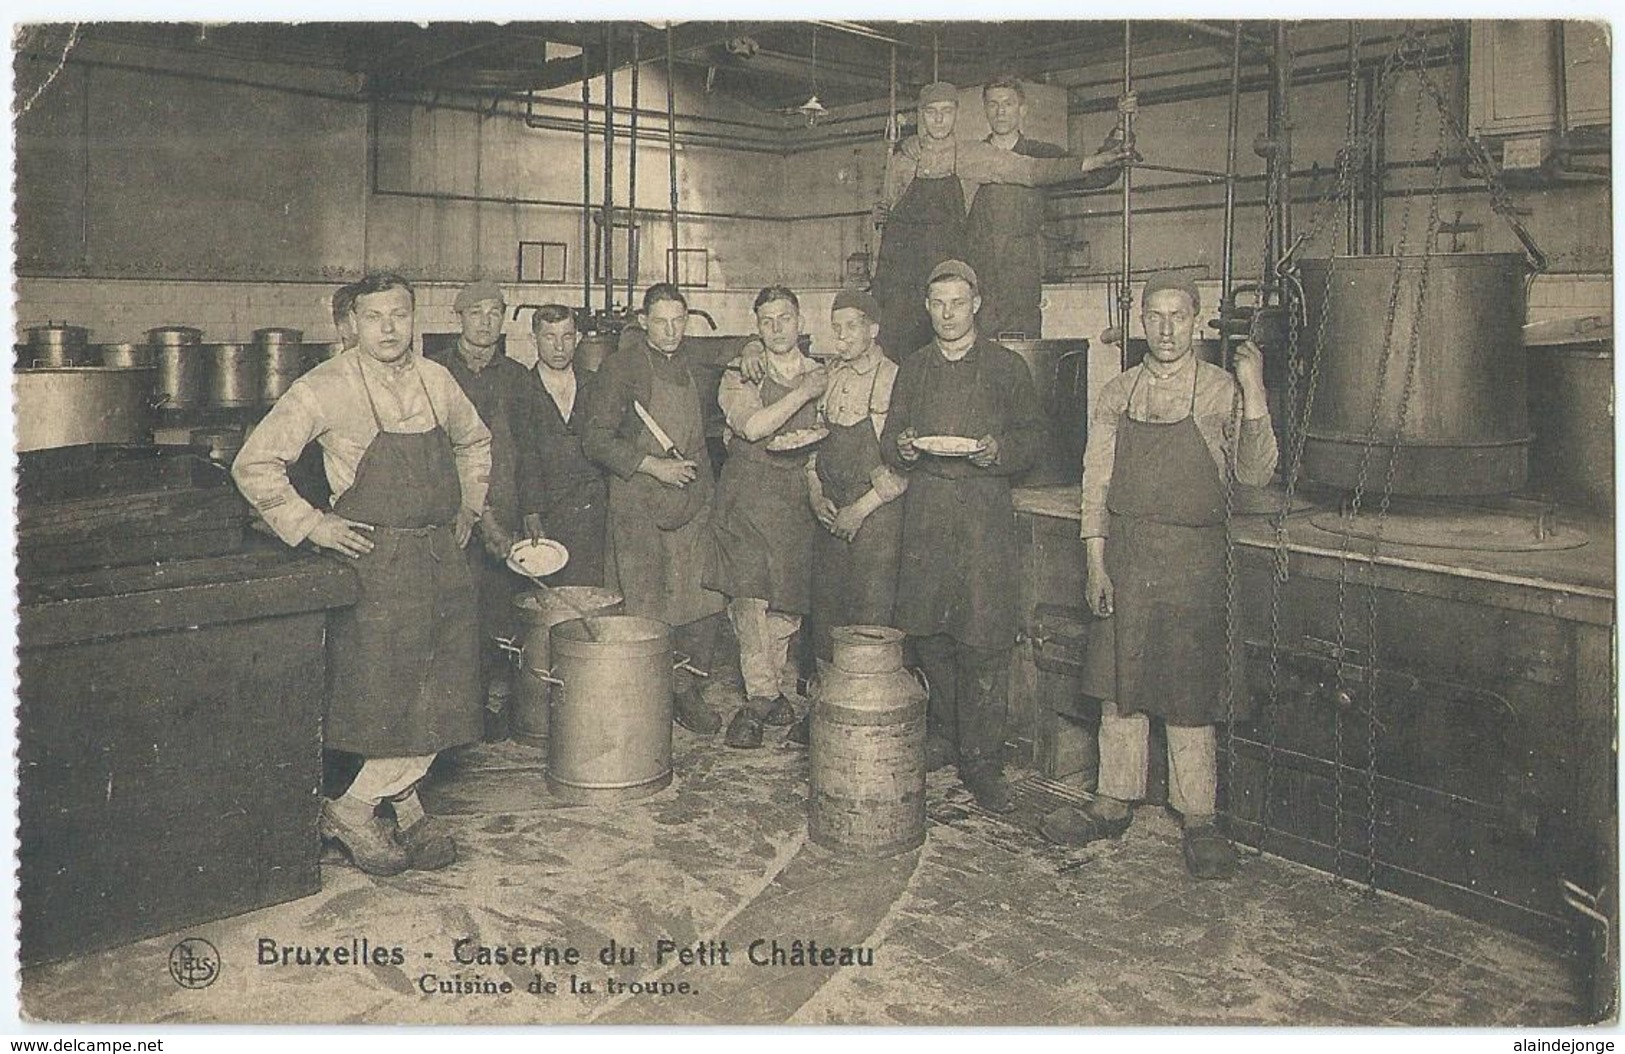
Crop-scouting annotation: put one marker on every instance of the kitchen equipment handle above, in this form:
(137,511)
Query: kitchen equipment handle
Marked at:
(683,663)
(517,650)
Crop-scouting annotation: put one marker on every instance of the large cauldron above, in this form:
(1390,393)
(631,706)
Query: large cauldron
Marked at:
(1060,370)
(1465,430)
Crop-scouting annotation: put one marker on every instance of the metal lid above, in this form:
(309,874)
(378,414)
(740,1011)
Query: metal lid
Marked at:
(173,335)
(278,335)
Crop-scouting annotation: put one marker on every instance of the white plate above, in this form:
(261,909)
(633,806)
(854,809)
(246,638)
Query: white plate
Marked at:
(538,559)
(948,446)
(796,439)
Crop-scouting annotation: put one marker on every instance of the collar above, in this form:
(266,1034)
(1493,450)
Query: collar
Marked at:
(864,364)
(971,340)
(388,370)
(548,373)
(1014,145)
(1162,372)
(476,360)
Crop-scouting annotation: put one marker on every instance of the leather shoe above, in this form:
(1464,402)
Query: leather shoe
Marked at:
(428,847)
(780,714)
(939,753)
(745,730)
(1075,827)
(1208,854)
(368,841)
(989,787)
(800,734)
(691,712)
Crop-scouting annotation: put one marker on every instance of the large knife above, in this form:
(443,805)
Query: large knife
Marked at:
(655,430)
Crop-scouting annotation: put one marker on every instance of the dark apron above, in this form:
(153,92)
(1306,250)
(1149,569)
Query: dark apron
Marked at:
(924,229)
(960,566)
(404,661)
(1162,652)
(761,527)
(856,583)
(659,535)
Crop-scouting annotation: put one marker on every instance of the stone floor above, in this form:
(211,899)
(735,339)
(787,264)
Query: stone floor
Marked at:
(983,925)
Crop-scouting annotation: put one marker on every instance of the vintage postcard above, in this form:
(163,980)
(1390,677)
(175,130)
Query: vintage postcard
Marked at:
(804,523)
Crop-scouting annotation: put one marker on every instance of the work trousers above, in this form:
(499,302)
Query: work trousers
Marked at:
(697,642)
(969,687)
(382,778)
(1193,764)
(764,644)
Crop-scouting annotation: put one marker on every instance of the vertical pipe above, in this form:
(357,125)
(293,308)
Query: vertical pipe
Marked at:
(671,154)
(936,54)
(1227,279)
(1125,297)
(632,177)
(606,233)
(586,186)
(1352,216)
(1283,159)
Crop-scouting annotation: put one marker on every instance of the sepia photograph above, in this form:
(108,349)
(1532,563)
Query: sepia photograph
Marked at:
(794,523)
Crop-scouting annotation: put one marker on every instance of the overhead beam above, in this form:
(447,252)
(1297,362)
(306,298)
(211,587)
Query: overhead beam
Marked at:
(685,38)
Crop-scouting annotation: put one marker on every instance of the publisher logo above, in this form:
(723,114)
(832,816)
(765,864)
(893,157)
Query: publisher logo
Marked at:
(194,963)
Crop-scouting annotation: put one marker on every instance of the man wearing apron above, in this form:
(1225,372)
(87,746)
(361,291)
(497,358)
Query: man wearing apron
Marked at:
(959,576)
(1154,535)
(1002,239)
(659,497)
(407,461)
(761,526)
(853,492)
(931,180)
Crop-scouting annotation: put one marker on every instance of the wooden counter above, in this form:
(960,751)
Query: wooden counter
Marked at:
(1492,775)
(169,744)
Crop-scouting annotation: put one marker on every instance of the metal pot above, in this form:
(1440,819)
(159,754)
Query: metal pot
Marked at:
(281,358)
(55,344)
(609,735)
(1571,412)
(538,613)
(1464,426)
(172,336)
(1060,372)
(180,377)
(74,405)
(126,356)
(231,375)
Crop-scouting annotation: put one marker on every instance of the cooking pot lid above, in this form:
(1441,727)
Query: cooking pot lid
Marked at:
(538,559)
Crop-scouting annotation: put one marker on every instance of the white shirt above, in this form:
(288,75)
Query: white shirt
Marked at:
(561,385)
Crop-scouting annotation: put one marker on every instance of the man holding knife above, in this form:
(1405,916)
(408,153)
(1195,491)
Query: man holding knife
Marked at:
(645,427)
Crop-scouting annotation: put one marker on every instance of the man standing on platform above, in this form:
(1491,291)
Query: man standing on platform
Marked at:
(407,461)
(959,581)
(1003,240)
(1154,536)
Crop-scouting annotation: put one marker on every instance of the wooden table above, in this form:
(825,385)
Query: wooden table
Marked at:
(169,744)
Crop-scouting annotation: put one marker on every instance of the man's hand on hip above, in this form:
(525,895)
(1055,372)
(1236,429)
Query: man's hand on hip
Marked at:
(340,535)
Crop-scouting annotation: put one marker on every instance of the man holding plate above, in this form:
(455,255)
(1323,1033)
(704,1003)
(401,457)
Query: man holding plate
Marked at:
(972,402)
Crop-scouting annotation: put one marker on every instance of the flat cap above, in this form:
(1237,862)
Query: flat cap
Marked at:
(474,292)
(1165,280)
(859,299)
(938,91)
(954,269)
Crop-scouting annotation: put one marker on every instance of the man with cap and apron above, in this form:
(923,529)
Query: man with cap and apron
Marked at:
(1154,535)
(931,182)
(1002,239)
(853,492)
(407,461)
(959,577)
(660,487)
(500,390)
(761,526)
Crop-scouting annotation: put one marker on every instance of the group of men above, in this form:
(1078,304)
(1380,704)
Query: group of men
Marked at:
(423,454)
